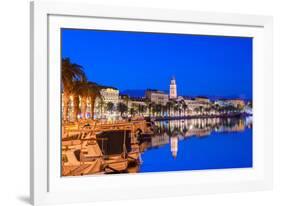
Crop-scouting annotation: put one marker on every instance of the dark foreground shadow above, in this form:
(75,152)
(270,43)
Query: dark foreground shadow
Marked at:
(24,199)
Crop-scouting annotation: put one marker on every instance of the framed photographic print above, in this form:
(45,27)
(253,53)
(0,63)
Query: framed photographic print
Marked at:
(140,103)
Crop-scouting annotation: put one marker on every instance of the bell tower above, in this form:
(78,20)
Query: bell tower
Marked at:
(173,88)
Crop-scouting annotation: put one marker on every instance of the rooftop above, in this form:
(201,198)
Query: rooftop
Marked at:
(156,91)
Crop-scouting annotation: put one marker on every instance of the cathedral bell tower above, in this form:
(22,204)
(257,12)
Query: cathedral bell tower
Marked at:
(173,88)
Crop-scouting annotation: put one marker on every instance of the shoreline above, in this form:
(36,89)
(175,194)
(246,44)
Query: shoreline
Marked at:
(239,115)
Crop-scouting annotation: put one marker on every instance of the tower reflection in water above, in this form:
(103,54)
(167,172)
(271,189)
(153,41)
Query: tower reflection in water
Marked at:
(173,131)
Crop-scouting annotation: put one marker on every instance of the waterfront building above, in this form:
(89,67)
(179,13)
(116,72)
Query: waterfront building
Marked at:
(110,94)
(222,103)
(203,99)
(123,98)
(155,103)
(138,105)
(248,110)
(195,106)
(173,89)
(157,96)
(238,103)
(135,105)
(99,108)
(178,99)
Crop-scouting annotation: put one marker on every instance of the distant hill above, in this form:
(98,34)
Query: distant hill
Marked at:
(137,92)
(214,98)
(134,92)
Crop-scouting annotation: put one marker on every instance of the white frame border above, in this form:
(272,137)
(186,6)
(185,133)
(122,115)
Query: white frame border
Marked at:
(40,10)
(186,178)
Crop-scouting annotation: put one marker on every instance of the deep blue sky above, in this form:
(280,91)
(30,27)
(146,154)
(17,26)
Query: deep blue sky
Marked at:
(203,65)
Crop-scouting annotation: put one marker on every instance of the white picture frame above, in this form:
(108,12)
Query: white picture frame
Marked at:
(46,184)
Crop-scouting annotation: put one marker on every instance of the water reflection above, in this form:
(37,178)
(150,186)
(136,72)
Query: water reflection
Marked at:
(173,131)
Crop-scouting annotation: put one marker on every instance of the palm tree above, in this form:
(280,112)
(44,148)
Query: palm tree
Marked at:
(94,93)
(184,106)
(173,104)
(141,109)
(84,90)
(176,107)
(217,109)
(76,108)
(71,73)
(164,110)
(158,109)
(148,104)
(110,107)
(132,111)
(77,90)
(126,99)
(180,110)
(122,108)
(151,108)
(169,105)
(201,109)
(180,107)
(101,105)
(144,109)
(196,110)
(207,110)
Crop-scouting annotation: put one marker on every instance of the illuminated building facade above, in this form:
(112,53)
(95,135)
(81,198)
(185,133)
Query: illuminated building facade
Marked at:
(173,89)
(110,94)
(157,97)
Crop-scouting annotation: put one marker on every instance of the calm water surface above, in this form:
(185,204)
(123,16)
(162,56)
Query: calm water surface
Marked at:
(197,144)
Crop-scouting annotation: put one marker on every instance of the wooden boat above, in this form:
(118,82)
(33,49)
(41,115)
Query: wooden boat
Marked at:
(133,155)
(115,146)
(75,163)
(81,157)
(115,164)
(133,169)
(104,152)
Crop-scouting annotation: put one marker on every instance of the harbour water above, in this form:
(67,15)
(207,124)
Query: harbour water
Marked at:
(198,144)
(171,145)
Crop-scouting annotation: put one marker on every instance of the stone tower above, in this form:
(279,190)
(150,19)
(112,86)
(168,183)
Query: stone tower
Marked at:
(173,89)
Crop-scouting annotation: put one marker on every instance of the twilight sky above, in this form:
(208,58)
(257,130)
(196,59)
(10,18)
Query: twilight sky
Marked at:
(202,65)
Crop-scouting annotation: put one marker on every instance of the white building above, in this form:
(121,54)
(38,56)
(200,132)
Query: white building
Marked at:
(173,89)
(110,94)
(222,103)
(157,97)
(138,105)
(239,103)
(195,104)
